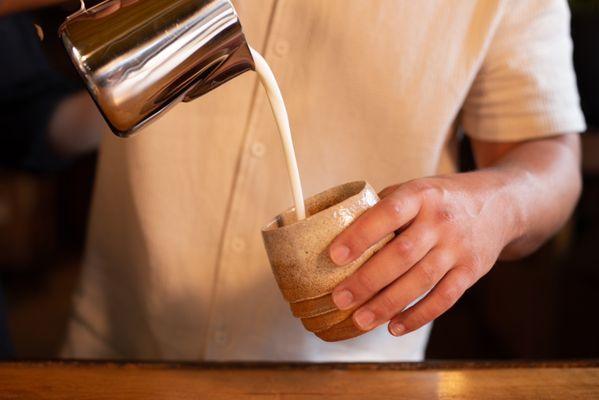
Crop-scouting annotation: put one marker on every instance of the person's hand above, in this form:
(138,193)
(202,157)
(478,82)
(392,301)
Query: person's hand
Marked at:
(453,229)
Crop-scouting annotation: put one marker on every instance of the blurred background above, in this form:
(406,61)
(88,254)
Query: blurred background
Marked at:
(541,307)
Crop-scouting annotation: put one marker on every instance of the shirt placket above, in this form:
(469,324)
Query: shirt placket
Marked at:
(221,332)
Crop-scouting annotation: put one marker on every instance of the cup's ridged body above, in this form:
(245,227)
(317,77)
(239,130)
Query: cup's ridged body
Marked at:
(299,256)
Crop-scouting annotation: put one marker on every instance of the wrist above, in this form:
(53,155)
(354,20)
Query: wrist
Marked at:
(498,191)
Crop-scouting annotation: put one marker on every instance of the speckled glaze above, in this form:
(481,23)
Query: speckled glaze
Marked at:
(299,257)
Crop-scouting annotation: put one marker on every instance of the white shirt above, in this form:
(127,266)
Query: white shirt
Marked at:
(376,90)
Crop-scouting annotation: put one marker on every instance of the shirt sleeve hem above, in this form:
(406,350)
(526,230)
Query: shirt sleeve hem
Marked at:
(525,127)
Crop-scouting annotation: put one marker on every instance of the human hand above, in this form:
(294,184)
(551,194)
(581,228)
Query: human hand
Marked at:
(453,229)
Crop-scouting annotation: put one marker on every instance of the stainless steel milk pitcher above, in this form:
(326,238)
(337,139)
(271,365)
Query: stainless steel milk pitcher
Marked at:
(140,57)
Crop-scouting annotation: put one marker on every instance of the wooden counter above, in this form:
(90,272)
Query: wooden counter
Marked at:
(97,380)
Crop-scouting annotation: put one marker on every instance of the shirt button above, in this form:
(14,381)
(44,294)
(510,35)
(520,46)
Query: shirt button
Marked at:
(281,48)
(258,150)
(238,244)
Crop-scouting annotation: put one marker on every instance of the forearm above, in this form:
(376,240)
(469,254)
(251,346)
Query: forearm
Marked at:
(11,6)
(540,183)
(453,229)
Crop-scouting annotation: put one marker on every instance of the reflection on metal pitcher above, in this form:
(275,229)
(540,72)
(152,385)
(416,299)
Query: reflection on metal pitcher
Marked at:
(140,57)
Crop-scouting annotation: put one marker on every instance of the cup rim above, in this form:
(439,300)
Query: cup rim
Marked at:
(273,225)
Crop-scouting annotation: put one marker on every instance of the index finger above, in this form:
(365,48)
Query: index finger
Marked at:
(388,215)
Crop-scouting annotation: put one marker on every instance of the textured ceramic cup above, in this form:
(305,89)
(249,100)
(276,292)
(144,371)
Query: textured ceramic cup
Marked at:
(299,257)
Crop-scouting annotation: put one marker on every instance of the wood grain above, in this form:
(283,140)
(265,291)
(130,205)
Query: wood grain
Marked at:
(271,381)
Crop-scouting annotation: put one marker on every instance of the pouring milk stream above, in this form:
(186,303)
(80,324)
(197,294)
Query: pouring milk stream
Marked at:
(133,80)
(268,81)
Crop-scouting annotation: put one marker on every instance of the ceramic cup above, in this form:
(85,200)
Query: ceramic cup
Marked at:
(299,257)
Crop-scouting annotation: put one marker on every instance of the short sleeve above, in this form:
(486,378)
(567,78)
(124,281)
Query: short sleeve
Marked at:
(526,86)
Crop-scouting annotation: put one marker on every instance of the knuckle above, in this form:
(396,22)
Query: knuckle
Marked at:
(477,261)
(403,246)
(443,258)
(429,190)
(460,282)
(445,215)
(386,305)
(470,268)
(394,208)
(421,184)
(429,273)
(468,274)
(446,297)
(365,282)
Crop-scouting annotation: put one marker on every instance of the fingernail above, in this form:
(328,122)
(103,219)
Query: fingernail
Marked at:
(364,318)
(397,329)
(343,299)
(339,254)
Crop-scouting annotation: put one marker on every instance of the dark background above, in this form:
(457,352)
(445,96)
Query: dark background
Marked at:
(542,307)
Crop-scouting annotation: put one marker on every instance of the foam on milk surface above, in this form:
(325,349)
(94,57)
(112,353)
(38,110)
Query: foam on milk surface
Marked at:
(275,98)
